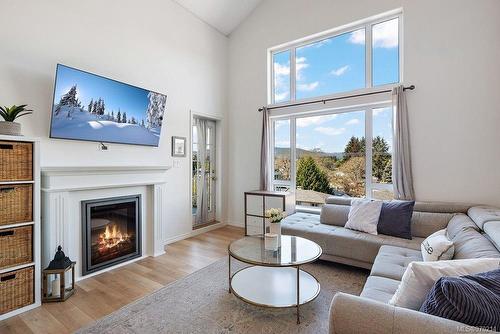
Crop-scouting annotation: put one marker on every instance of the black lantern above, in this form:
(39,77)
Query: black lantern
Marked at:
(57,269)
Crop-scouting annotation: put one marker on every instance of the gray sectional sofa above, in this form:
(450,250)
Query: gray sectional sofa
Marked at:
(474,230)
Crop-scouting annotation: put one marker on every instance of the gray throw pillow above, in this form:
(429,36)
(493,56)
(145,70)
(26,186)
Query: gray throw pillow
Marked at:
(395,219)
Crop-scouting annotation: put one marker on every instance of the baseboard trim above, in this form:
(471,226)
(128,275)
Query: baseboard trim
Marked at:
(194,233)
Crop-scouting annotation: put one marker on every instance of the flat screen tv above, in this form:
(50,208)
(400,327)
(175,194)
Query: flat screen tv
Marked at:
(90,107)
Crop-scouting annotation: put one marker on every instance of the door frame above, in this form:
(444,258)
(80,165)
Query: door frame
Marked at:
(219,133)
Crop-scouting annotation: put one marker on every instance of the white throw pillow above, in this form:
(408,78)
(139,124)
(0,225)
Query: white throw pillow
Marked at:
(419,278)
(437,247)
(364,215)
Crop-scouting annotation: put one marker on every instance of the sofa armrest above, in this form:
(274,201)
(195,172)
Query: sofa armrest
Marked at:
(353,314)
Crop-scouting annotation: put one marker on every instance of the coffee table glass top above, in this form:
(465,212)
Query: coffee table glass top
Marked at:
(293,251)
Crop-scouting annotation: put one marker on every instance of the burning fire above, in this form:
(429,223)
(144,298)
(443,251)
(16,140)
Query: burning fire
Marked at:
(111,238)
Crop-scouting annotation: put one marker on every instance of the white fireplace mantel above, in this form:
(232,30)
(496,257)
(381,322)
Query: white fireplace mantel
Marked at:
(63,189)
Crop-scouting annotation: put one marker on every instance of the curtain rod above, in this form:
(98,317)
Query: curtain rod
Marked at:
(412,87)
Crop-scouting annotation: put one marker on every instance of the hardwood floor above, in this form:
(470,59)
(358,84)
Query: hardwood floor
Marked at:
(102,294)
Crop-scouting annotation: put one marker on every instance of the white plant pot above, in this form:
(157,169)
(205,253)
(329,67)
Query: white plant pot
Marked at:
(275,228)
(10,128)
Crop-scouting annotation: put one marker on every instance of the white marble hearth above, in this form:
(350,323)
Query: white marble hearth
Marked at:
(64,188)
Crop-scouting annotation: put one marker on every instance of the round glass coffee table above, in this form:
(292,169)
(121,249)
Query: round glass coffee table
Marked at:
(274,278)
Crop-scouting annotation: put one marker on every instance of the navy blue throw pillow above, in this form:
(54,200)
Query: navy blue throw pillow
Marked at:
(395,219)
(472,299)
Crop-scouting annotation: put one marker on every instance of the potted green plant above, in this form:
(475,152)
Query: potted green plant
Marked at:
(10,114)
(275,216)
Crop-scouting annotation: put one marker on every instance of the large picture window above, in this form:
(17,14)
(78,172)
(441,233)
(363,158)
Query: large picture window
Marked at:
(341,149)
(341,152)
(361,57)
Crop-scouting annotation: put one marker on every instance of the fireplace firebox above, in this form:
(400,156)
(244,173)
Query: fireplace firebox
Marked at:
(111,230)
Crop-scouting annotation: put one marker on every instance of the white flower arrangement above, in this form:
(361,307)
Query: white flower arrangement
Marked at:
(275,215)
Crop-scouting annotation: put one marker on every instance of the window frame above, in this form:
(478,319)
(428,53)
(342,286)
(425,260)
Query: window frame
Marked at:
(367,25)
(368,110)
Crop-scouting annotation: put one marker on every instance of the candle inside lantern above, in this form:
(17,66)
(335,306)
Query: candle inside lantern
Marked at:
(56,287)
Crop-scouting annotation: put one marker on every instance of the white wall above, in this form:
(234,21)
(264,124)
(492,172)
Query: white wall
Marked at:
(451,53)
(156,44)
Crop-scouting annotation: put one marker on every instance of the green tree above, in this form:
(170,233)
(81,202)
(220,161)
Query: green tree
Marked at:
(353,148)
(387,176)
(381,156)
(311,177)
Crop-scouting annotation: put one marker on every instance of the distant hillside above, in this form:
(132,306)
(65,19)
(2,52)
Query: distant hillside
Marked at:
(281,151)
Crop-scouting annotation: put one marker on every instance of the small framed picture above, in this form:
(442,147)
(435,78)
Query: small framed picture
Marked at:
(178,146)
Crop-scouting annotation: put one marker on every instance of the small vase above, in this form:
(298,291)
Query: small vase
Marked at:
(10,128)
(275,228)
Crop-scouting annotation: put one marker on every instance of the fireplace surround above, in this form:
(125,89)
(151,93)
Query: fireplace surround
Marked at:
(111,231)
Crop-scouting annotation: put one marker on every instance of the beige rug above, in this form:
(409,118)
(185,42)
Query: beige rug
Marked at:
(200,303)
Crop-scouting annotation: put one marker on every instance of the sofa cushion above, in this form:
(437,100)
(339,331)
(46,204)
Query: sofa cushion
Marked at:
(442,207)
(334,214)
(395,218)
(339,241)
(379,288)
(470,244)
(458,223)
(391,261)
(483,214)
(426,223)
(492,230)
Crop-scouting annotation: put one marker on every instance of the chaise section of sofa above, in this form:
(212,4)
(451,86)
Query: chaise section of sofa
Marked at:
(358,248)
(474,230)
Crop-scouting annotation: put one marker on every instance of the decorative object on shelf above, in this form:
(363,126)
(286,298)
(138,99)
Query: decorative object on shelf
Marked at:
(10,114)
(178,146)
(275,217)
(271,241)
(58,267)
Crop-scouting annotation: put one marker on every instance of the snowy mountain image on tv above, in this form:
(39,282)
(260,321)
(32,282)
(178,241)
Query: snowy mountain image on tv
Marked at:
(90,107)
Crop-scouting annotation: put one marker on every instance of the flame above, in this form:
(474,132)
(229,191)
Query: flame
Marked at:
(111,237)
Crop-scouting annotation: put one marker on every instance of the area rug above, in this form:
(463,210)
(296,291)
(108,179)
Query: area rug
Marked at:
(200,303)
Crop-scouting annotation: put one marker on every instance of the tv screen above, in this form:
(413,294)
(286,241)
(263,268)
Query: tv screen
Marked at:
(90,107)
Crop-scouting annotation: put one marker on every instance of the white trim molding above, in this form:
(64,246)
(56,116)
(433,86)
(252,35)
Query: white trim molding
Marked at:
(64,188)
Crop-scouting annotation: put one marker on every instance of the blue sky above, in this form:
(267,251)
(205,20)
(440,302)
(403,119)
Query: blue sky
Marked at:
(132,100)
(337,65)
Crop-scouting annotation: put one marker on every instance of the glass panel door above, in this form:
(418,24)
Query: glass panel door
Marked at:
(208,187)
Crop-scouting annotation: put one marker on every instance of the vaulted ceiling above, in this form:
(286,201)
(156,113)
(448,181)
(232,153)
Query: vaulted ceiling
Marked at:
(223,15)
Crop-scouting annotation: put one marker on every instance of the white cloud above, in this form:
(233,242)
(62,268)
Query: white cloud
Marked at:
(384,35)
(352,121)
(314,120)
(357,37)
(330,131)
(281,81)
(300,64)
(307,87)
(278,97)
(340,71)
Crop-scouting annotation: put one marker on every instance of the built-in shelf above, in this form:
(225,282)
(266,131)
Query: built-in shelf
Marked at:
(21,266)
(16,225)
(36,231)
(16,182)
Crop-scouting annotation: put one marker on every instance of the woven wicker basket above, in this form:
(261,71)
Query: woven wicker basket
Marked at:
(16,203)
(16,161)
(16,289)
(16,246)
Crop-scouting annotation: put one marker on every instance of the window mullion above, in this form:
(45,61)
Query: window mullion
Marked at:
(368,151)
(368,55)
(293,73)
(293,163)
